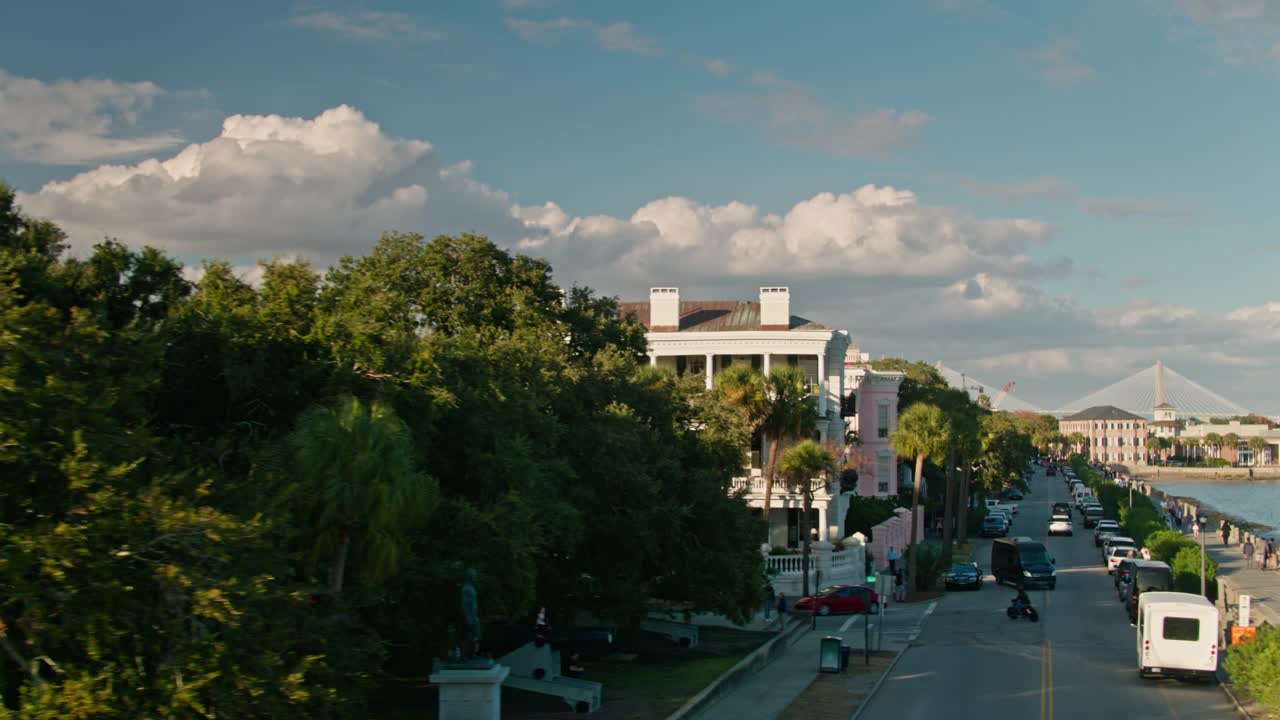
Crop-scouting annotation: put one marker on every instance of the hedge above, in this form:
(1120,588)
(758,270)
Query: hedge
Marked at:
(1186,573)
(1138,521)
(1255,666)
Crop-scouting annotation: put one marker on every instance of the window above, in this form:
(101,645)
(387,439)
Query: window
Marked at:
(882,472)
(883,488)
(882,419)
(1180,628)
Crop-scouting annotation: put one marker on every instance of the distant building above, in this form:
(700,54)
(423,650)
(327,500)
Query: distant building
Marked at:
(874,417)
(1111,435)
(704,337)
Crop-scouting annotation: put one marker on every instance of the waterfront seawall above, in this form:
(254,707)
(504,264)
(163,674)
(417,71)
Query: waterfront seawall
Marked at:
(1151,472)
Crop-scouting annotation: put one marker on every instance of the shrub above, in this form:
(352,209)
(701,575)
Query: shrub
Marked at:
(1186,572)
(1166,544)
(866,512)
(1209,463)
(1255,666)
(929,565)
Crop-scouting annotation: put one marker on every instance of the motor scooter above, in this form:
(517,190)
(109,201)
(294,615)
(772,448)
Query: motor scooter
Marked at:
(1022,609)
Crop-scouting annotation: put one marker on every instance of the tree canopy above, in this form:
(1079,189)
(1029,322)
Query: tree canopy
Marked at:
(238,500)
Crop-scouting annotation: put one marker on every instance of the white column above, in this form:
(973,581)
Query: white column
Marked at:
(766,364)
(822,523)
(711,360)
(653,360)
(822,385)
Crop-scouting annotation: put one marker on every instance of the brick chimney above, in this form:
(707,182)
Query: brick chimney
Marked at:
(664,309)
(775,308)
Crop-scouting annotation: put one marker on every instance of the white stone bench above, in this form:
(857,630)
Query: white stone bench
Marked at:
(686,634)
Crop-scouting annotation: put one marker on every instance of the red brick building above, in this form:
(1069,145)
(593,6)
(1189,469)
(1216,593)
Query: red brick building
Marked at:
(1110,434)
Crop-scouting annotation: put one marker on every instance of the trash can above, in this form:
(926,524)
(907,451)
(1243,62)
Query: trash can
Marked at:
(844,657)
(829,654)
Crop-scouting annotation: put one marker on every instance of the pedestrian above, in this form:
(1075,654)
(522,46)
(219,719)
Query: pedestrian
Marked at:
(1247,550)
(899,587)
(892,557)
(1269,552)
(1195,529)
(768,600)
(1226,532)
(782,607)
(1146,553)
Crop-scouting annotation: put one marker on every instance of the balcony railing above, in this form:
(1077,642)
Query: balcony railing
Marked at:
(755,486)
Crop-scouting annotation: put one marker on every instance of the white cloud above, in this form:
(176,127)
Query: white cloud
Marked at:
(529,4)
(904,276)
(615,37)
(75,121)
(367,26)
(1239,31)
(715,66)
(793,114)
(1058,62)
(1058,190)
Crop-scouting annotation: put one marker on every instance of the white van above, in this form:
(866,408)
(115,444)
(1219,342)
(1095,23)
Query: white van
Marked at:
(1177,636)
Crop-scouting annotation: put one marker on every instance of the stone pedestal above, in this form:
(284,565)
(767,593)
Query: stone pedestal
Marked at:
(470,694)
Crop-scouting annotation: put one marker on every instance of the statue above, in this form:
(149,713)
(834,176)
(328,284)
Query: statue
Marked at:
(471,616)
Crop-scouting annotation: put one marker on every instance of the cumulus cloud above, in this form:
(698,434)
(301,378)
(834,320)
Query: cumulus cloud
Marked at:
(1058,62)
(906,277)
(1239,31)
(75,121)
(793,114)
(615,37)
(367,26)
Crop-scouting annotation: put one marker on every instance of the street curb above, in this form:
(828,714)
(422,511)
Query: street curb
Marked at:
(879,681)
(749,665)
(1226,688)
(892,664)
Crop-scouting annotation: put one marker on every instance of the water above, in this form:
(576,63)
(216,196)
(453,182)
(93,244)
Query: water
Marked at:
(1256,501)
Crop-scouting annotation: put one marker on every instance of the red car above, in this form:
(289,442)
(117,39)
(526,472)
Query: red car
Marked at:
(840,599)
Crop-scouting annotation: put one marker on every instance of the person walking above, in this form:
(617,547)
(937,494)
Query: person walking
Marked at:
(1226,531)
(768,600)
(899,587)
(1247,550)
(782,607)
(1268,552)
(892,557)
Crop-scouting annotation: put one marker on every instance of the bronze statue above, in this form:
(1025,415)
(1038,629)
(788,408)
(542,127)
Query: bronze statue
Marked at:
(471,616)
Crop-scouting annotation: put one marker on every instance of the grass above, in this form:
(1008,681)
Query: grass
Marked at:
(694,673)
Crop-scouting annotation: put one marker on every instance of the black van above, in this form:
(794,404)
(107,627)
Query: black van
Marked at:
(1023,562)
(1148,576)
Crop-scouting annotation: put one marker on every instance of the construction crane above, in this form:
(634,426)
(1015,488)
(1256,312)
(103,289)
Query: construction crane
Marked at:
(1004,392)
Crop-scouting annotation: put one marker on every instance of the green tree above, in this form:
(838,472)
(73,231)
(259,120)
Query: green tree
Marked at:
(806,466)
(923,382)
(1258,445)
(963,447)
(1214,440)
(791,414)
(1076,440)
(923,432)
(359,486)
(1232,441)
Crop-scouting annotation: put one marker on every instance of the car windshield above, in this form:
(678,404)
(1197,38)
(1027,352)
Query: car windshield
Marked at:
(1035,555)
(992,520)
(962,568)
(828,590)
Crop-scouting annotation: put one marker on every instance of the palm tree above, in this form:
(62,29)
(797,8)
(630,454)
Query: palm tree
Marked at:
(1232,441)
(806,466)
(1077,441)
(1214,440)
(965,444)
(359,487)
(1257,444)
(1155,444)
(923,431)
(790,414)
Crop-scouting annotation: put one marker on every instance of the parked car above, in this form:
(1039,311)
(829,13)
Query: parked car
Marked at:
(1117,540)
(964,575)
(840,599)
(1092,515)
(1051,471)
(1146,576)
(1122,573)
(1060,525)
(1105,530)
(1116,553)
(993,526)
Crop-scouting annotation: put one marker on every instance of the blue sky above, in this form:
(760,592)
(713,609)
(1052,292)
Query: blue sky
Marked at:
(1105,167)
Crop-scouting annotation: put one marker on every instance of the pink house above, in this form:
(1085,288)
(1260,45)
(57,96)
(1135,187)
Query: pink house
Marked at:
(874,417)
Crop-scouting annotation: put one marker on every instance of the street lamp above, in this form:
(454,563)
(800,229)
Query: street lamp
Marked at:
(1203,522)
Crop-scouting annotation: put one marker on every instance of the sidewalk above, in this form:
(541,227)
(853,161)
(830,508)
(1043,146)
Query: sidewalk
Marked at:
(782,682)
(1262,585)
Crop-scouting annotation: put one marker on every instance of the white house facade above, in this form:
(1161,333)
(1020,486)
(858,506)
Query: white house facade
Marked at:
(705,337)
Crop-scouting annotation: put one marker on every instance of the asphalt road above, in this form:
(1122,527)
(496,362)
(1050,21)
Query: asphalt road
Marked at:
(1079,661)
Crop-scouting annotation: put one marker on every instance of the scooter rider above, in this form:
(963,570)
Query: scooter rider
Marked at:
(1021,602)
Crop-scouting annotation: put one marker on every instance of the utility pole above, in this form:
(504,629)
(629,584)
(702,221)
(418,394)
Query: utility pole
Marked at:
(1203,530)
